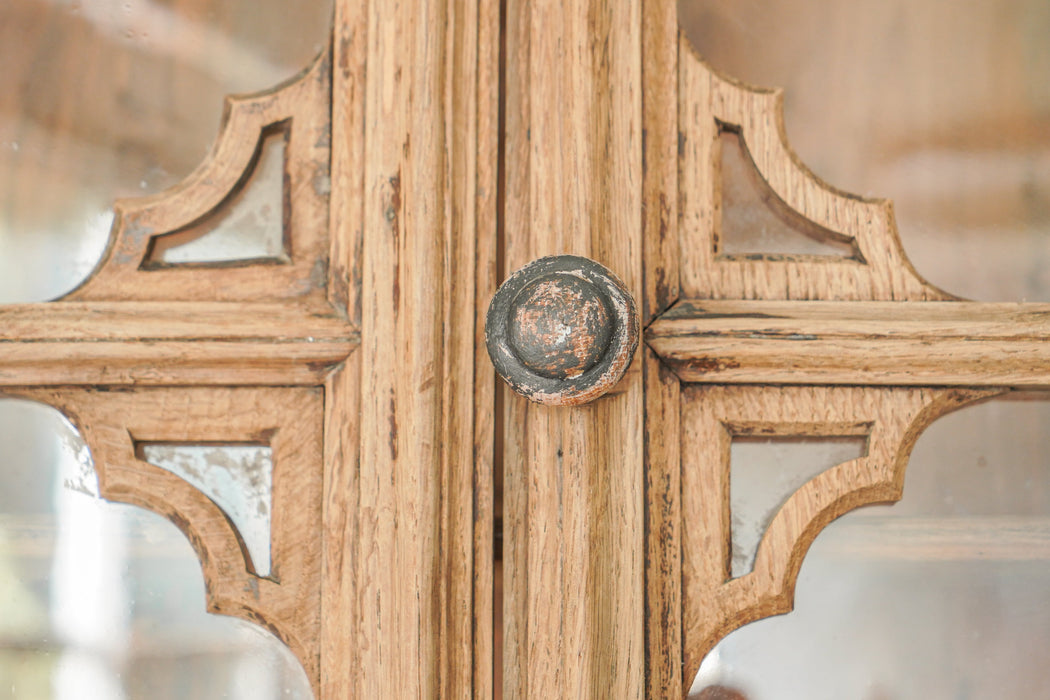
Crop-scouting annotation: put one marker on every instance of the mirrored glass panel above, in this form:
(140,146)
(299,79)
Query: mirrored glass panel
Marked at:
(237,478)
(104,99)
(248,227)
(943,109)
(755,220)
(943,595)
(764,473)
(106,601)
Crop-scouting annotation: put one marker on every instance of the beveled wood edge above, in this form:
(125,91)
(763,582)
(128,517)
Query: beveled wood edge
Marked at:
(303,103)
(169,343)
(757,114)
(877,478)
(287,602)
(869,343)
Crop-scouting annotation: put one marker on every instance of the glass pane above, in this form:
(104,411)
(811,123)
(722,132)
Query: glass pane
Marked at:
(756,220)
(237,478)
(943,595)
(106,601)
(101,99)
(249,226)
(942,108)
(764,473)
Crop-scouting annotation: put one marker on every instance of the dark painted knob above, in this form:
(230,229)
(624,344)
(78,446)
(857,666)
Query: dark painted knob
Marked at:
(562,330)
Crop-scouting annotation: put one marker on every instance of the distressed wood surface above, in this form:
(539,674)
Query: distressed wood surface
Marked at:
(616,536)
(401,538)
(708,104)
(662,476)
(714,603)
(225,329)
(750,324)
(573,548)
(869,343)
(289,420)
(156,343)
(303,105)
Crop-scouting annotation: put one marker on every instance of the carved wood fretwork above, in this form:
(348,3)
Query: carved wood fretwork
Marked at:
(409,190)
(786,345)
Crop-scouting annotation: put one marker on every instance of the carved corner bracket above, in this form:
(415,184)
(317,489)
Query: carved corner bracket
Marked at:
(785,345)
(226,352)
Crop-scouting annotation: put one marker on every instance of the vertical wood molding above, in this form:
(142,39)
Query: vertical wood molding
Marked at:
(574,519)
(408,568)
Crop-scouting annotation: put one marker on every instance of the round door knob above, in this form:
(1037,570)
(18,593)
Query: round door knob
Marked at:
(562,330)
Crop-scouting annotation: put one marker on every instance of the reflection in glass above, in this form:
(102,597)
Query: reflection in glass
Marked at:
(248,226)
(943,595)
(764,473)
(237,478)
(945,112)
(106,601)
(105,99)
(756,220)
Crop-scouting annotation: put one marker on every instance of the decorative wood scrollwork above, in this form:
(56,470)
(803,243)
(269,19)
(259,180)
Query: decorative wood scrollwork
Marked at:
(212,353)
(300,109)
(709,103)
(783,345)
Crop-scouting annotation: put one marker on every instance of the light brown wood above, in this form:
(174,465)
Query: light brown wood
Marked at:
(113,423)
(659,157)
(156,343)
(617,512)
(404,510)
(708,103)
(573,548)
(302,103)
(871,343)
(714,603)
(663,531)
(132,325)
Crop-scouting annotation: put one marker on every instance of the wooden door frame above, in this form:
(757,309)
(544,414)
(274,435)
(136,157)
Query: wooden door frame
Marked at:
(434,148)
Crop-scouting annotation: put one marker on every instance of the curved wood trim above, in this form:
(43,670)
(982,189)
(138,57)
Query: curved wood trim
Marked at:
(709,102)
(714,604)
(301,108)
(286,603)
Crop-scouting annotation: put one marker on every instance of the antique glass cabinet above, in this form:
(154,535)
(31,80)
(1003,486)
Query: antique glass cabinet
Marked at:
(289,352)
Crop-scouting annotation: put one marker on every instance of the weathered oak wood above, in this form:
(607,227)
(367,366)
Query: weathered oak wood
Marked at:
(709,103)
(303,105)
(402,509)
(713,602)
(289,420)
(871,343)
(573,548)
(156,343)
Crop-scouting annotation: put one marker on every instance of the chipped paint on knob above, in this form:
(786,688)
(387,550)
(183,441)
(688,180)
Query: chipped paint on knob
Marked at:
(562,330)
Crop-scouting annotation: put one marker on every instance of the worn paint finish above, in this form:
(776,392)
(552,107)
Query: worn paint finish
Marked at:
(562,330)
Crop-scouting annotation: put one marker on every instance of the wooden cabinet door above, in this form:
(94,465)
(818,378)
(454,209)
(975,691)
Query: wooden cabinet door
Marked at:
(434,151)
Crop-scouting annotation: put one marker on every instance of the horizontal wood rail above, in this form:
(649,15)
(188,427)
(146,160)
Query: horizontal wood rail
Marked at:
(870,343)
(166,343)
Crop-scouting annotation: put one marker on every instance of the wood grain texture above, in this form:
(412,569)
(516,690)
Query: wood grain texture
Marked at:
(155,343)
(302,104)
(113,422)
(870,343)
(663,531)
(659,157)
(709,103)
(406,624)
(713,603)
(573,548)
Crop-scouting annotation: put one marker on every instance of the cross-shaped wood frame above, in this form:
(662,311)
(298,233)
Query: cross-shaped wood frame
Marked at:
(435,143)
